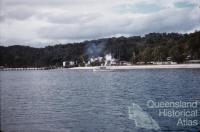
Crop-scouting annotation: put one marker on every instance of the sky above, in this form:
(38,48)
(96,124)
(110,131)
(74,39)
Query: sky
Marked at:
(40,23)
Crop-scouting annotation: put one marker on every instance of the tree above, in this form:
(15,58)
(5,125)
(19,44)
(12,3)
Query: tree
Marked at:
(147,55)
(176,54)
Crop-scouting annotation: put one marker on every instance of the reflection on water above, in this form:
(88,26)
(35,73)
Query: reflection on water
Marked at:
(86,101)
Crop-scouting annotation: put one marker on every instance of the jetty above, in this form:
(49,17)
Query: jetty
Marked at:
(27,68)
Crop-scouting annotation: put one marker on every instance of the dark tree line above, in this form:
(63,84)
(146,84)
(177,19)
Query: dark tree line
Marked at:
(151,47)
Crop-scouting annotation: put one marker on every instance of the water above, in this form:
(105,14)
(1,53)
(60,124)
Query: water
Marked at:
(86,101)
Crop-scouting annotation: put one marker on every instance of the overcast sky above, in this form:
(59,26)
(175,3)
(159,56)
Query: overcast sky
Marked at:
(46,22)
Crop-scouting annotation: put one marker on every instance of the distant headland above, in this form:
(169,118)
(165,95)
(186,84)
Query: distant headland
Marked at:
(152,49)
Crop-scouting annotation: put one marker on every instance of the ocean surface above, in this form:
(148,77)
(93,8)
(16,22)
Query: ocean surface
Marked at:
(64,100)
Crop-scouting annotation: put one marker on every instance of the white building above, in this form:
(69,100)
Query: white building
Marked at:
(71,63)
(64,63)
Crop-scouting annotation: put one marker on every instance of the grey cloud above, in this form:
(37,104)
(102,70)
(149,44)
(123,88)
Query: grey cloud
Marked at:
(71,19)
(2,18)
(75,20)
(165,21)
(33,2)
(66,32)
(183,21)
(97,29)
(46,2)
(20,13)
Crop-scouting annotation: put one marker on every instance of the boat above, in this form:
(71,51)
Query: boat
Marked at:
(106,66)
(102,68)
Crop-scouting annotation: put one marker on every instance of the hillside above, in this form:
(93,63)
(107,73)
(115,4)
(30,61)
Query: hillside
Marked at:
(151,47)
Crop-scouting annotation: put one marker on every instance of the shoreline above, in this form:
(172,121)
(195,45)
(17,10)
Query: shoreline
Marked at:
(174,66)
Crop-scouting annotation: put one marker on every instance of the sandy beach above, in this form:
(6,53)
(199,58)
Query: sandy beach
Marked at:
(176,66)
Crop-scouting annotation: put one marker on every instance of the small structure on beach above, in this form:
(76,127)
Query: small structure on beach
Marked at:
(71,63)
(193,61)
(64,63)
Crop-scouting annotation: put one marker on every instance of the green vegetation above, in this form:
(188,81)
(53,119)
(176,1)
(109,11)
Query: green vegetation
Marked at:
(151,47)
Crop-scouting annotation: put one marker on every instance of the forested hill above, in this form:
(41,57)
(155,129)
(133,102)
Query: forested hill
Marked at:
(151,47)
